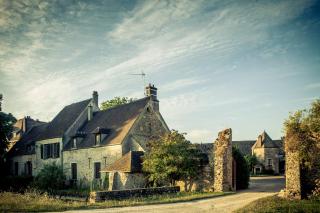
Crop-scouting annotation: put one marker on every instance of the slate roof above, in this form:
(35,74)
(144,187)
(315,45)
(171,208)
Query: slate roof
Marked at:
(25,146)
(244,146)
(130,162)
(264,141)
(64,119)
(117,120)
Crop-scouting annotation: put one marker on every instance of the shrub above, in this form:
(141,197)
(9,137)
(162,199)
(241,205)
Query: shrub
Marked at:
(242,169)
(50,177)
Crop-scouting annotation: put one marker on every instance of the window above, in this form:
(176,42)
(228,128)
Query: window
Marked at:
(16,168)
(28,168)
(97,139)
(74,171)
(50,150)
(74,143)
(97,168)
(269,162)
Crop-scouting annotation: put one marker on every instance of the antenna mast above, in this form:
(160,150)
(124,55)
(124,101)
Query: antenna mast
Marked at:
(143,76)
(1,98)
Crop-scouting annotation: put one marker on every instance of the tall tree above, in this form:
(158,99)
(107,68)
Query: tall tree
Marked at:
(116,101)
(302,130)
(172,158)
(6,127)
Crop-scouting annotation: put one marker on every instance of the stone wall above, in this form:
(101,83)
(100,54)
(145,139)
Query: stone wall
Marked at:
(293,181)
(124,180)
(223,161)
(39,163)
(263,154)
(150,124)
(21,160)
(123,194)
(85,159)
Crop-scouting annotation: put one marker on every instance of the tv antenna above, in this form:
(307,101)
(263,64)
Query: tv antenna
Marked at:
(143,76)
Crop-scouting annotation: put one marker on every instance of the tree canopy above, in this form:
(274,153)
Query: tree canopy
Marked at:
(172,158)
(302,135)
(116,101)
(6,126)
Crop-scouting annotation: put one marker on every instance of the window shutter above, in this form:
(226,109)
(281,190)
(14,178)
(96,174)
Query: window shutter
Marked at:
(41,150)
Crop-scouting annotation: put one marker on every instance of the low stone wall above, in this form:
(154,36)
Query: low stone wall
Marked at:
(123,194)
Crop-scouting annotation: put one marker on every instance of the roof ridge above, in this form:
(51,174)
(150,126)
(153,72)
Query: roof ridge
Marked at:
(122,105)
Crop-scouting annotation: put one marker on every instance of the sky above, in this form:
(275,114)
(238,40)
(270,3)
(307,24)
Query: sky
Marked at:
(216,64)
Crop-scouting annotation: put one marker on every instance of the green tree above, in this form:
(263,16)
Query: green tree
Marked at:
(251,161)
(302,135)
(172,158)
(6,126)
(116,101)
(242,169)
(50,177)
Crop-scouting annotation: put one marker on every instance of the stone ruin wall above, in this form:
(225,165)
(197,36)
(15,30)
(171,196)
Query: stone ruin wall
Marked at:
(293,181)
(223,161)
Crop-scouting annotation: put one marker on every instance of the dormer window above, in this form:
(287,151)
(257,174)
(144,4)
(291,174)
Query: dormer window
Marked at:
(100,135)
(74,143)
(97,139)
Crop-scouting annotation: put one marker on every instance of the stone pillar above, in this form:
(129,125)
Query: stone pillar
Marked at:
(223,161)
(293,181)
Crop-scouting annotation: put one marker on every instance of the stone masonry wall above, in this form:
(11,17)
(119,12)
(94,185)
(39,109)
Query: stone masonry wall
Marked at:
(149,125)
(293,183)
(223,161)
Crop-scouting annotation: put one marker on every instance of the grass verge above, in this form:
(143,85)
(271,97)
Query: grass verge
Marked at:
(275,204)
(35,202)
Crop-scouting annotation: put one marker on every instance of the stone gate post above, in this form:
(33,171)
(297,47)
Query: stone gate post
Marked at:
(223,161)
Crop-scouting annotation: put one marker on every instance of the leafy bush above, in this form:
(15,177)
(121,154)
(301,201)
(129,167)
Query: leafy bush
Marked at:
(50,177)
(173,158)
(242,169)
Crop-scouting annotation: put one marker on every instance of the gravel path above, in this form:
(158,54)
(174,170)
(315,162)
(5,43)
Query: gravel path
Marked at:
(259,187)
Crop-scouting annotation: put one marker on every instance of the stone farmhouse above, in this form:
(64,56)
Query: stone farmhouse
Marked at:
(90,144)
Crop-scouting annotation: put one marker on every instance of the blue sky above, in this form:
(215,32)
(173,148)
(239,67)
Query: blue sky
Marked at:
(217,64)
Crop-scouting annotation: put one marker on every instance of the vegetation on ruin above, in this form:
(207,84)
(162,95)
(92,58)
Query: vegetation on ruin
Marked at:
(302,130)
(34,201)
(276,204)
(172,158)
(116,101)
(242,169)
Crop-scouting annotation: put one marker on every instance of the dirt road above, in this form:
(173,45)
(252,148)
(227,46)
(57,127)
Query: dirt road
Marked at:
(259,187)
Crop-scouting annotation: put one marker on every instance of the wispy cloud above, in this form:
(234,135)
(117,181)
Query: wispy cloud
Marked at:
(58,51)
(313,86)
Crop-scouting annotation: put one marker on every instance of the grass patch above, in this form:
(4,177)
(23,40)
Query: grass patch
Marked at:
(276,204)
(35,202)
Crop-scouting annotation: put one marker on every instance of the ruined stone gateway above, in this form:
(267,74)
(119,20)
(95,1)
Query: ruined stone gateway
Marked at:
(223,161)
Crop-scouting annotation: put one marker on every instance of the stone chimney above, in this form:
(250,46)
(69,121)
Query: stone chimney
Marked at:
(24,124)
(151,91)
(95,98)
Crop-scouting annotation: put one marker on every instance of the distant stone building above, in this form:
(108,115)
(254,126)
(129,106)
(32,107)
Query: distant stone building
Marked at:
(85,140)
(270,153)
(22,126)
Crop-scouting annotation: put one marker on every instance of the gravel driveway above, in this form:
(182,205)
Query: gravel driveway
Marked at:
(259,187)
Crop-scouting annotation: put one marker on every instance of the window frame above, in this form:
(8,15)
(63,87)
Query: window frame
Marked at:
(74,171)
(97,170)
